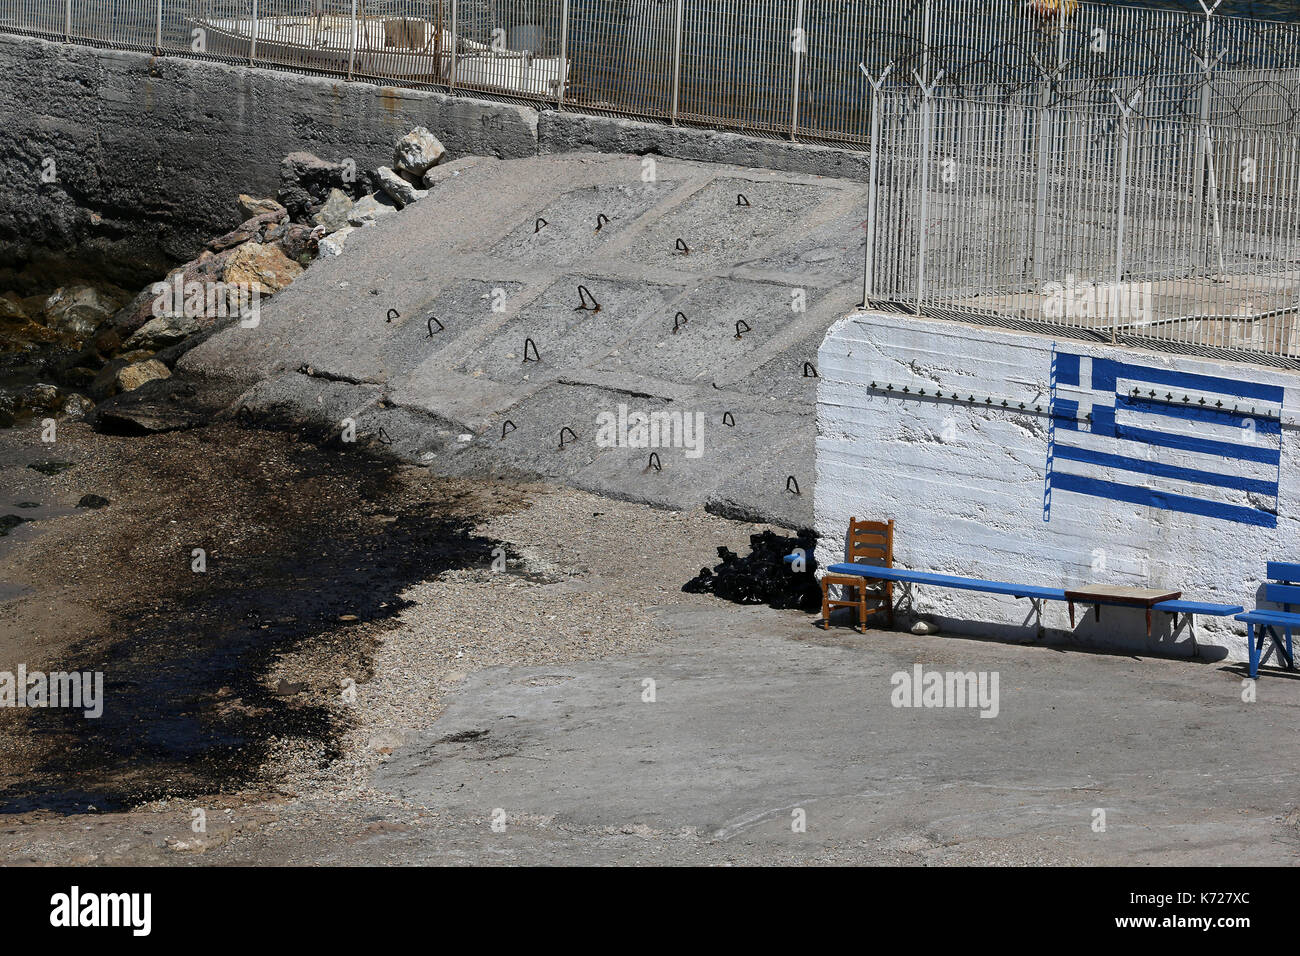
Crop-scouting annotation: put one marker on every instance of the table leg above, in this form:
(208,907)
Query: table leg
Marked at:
(1071,603)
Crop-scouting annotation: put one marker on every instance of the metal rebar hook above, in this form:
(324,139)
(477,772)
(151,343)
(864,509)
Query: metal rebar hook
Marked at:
(393,314)
(810,370)
(537,226)
(678,321)
(728,419)
(791,480)
(441,327)
(742,200)
(601,221)
(739,330)
(572,436)
(583,295)
(536,355)
(682,247)
(654,462)
(512,425)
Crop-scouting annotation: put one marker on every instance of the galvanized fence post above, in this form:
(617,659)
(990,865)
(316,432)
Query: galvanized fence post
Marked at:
(352,47)
(677,61)
(869,268)
(925,43)
(927,95)
(1124,110)
(798,42)
(1046,136)
(67,20)
(157,32)
(252,37)
(564,51)
(455,42)
(1199,261)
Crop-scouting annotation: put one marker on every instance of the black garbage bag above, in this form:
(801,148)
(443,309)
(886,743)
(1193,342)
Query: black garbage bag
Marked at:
(763,577)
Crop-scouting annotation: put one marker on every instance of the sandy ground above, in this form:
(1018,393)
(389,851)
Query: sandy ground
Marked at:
(510,686)
(73,574)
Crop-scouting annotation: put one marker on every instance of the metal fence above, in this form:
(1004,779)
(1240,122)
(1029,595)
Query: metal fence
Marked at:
(785,67)
(1029,157)
(1107,220)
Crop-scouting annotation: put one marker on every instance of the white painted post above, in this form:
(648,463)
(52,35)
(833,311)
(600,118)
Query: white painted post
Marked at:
(925,43)
(564,50)
(798,42)
(157,33)
(1119,224)
(352,49)
(455,42)
(1214,198)
(869,269)
(677,61)
(67,20)
(252,37)
(1199,261)
(1046,135)
(921,242)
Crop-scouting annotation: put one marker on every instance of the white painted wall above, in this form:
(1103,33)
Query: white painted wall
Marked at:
(965,484)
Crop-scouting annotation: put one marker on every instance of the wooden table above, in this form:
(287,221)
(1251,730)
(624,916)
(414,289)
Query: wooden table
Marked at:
(1099,594)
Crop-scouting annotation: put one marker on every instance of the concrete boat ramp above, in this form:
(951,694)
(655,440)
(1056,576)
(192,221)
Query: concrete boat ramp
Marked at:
(749,266)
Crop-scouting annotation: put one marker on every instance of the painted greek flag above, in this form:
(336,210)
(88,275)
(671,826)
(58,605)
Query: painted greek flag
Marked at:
(1159,438)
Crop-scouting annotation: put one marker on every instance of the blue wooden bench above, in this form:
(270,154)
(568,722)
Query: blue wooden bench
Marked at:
(1033,592)
(1276,625)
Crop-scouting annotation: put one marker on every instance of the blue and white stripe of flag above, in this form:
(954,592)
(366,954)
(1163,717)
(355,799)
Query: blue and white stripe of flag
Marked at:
(1198,444)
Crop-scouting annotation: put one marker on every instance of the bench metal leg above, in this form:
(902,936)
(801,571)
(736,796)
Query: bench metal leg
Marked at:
(1284,652)
(1253,648)
(1256,645)
(1189,622)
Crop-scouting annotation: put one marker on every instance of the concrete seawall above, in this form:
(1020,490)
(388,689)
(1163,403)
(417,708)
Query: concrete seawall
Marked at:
(148,153)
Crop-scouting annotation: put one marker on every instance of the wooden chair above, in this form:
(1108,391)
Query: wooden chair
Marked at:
(870,542)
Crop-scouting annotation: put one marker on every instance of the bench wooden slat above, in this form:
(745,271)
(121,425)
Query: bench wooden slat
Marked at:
(1284,571)
(1198,607)
(1270,617)
(949,581)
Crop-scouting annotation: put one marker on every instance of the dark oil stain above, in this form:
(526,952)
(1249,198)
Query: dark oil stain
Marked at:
(187,707)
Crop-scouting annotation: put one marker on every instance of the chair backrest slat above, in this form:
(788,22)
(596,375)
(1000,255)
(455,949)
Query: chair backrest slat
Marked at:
(1284,571)
(871,541)
(1282,593)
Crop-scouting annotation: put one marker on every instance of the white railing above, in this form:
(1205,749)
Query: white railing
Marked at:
(1107,220)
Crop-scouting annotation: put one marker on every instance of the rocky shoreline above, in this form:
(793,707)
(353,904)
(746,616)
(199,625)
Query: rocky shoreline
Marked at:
(93,350)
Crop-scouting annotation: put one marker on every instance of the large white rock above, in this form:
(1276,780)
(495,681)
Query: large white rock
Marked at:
(332,245)
(334,214)
(367,210)
(417,151)
(398,189)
